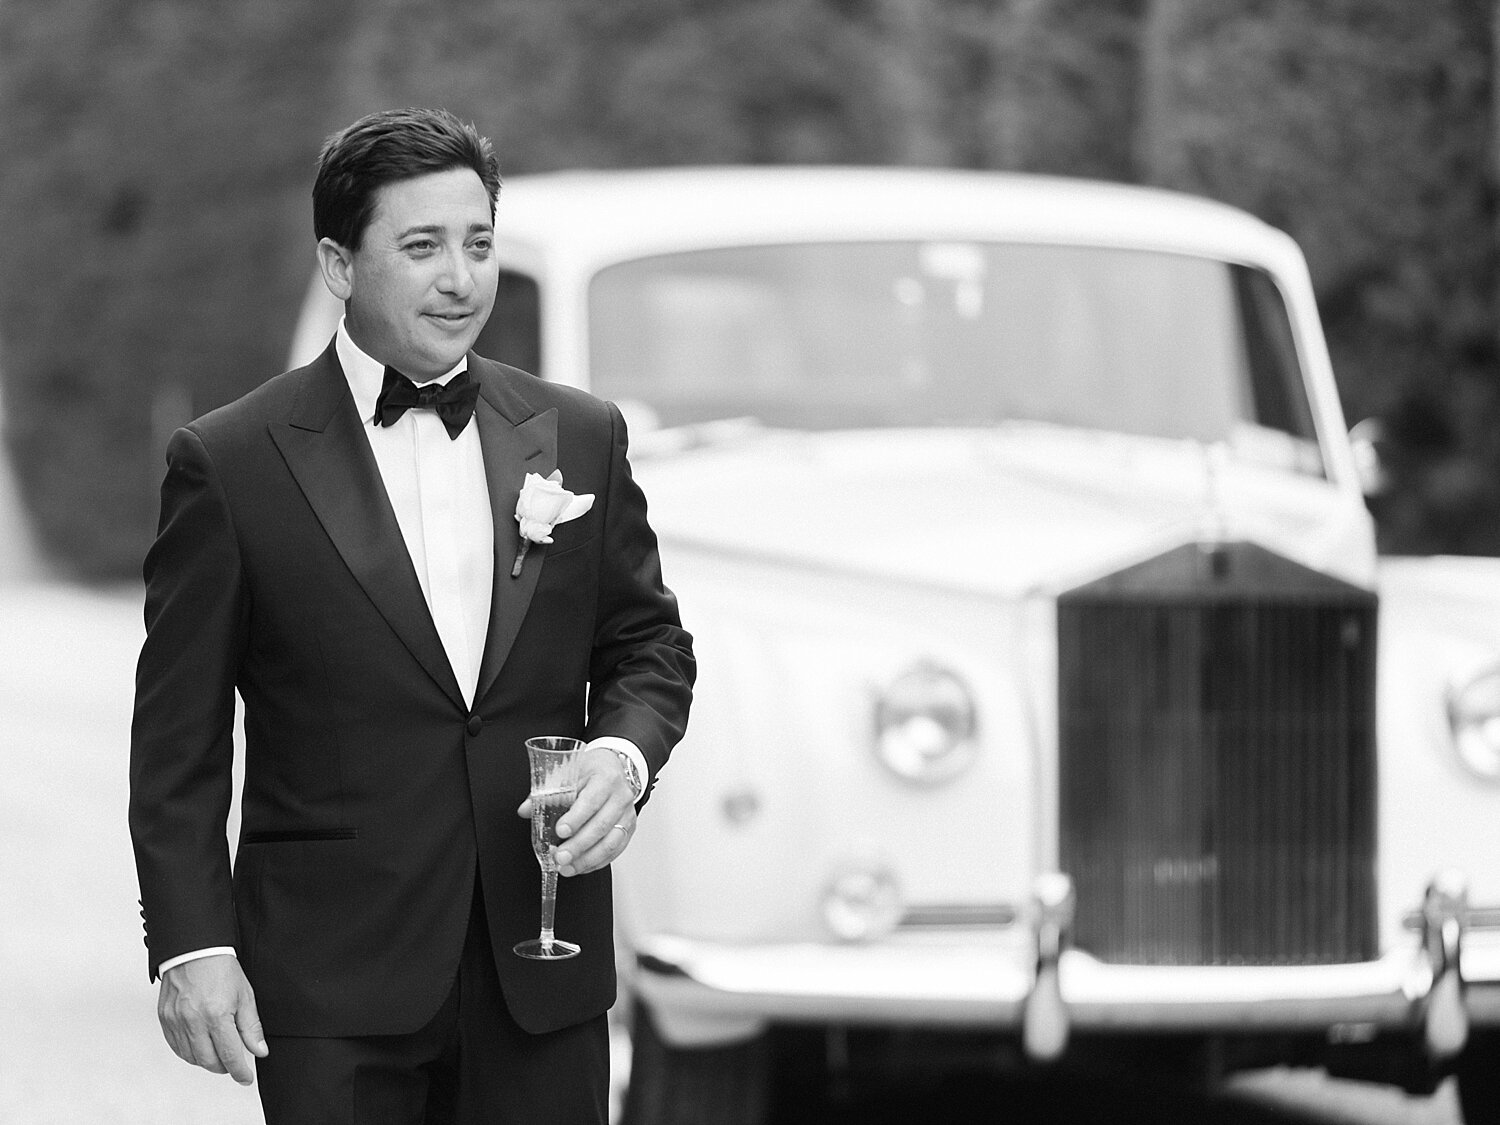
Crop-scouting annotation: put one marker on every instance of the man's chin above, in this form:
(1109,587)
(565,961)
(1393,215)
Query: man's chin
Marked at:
(436,362)
(452,347)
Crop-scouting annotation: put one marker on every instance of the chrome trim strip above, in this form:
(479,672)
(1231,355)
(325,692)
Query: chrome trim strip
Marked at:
(1485,917)
(959,914)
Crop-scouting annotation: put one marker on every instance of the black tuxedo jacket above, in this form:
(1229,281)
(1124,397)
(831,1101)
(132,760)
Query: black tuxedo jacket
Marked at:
(373,796)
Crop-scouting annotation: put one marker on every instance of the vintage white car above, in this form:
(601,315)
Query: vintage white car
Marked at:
(1047,702)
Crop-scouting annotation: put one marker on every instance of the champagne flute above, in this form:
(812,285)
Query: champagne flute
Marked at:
(554,783)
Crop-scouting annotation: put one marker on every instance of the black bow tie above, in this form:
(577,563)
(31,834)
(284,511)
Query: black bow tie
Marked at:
(454,401)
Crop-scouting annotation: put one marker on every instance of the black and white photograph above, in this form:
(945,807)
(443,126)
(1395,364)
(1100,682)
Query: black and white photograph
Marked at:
(750,562)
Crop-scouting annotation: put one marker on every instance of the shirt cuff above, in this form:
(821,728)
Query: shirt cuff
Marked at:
(182,958)
(631,751)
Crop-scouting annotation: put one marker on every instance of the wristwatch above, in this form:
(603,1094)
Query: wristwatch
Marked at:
(632,775)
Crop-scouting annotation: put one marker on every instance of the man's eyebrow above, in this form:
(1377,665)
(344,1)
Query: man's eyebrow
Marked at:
(438,228)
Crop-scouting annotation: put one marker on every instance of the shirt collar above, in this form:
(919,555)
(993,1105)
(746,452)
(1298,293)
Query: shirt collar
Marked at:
(366,374)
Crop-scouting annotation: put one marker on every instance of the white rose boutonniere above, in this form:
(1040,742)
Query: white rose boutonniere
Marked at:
(543,504)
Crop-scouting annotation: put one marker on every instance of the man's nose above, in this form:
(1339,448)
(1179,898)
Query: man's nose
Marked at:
(456,276)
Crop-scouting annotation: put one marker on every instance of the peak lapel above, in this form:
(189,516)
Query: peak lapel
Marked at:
(515,441)
(328,455)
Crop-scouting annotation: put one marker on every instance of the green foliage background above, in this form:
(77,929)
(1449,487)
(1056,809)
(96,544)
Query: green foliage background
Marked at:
(158,156)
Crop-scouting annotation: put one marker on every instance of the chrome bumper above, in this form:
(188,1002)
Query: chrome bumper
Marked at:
(1028,979)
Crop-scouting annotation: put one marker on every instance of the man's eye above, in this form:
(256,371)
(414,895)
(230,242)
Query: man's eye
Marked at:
(481,246)
(421,246)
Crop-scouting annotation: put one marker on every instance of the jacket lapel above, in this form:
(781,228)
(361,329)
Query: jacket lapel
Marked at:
(516,440)
(327,453)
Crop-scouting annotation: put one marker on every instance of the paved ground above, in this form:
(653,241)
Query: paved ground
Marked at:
(78,1037)
(79,1043)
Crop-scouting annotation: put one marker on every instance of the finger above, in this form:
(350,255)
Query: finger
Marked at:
(247,1020)
(203,1051)
(169,1029)
(589,833)
(581,858)
(187,1033)
(601,855)
(603,800)
(524,810)
(229,1053)
(176,1040)
(580,813)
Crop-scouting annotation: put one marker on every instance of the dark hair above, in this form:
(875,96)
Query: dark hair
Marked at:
(395,144)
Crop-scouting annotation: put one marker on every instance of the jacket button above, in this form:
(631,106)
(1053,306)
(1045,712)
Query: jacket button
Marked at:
(475,724)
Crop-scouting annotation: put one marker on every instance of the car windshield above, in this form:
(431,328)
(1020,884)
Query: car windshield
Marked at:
(915,334)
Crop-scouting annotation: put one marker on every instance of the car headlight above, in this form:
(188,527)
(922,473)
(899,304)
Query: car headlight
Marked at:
(925,724)
(1474,718)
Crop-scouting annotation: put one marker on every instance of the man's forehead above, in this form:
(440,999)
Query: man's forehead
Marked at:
(435,201)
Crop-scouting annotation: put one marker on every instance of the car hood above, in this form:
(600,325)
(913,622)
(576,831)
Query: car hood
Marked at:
(1011,511)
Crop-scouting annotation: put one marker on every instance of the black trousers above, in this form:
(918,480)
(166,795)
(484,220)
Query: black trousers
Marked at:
(471,1065)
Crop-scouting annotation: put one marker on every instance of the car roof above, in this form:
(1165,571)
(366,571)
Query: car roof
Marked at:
(601,216)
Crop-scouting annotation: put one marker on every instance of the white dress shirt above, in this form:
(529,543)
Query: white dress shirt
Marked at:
(437,486)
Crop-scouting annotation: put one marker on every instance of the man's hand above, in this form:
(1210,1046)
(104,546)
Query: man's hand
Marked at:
(207,1012)
(602,818)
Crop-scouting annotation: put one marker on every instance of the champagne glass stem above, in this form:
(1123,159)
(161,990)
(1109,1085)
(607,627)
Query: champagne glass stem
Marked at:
(549,906)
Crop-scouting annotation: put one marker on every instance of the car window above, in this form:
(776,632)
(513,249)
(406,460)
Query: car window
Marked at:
(513,333)
(839,335)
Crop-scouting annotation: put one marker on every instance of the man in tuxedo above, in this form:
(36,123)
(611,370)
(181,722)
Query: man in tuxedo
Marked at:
(338,547)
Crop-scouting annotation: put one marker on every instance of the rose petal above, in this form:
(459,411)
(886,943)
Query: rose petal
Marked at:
(536,531)
(577,506)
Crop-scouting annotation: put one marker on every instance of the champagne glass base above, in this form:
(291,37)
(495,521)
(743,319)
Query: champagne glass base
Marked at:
(538,950)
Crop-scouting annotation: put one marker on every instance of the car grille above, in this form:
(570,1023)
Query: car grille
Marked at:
(1217,774)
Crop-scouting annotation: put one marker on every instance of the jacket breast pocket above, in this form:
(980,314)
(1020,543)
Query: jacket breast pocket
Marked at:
(572,536)
(559,550)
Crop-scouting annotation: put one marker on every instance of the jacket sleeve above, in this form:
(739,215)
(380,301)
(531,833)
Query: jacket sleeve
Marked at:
(181,745)
(642,670)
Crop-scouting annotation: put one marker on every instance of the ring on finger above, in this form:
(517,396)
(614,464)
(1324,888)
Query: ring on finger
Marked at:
(623,829)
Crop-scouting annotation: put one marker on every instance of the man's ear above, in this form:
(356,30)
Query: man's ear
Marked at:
(337,266)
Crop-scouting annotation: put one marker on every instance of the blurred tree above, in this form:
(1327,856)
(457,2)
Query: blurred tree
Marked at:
(1060,86)
(904,37)
(1153,150)
(159,154)
(1362,128)
(158,151)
